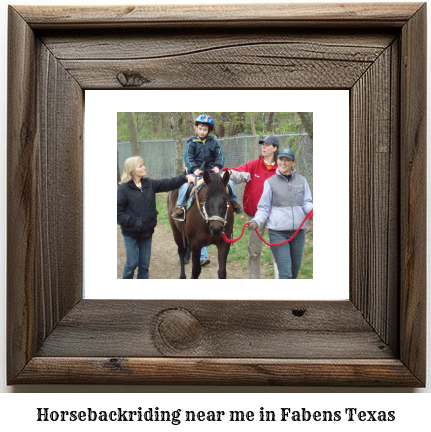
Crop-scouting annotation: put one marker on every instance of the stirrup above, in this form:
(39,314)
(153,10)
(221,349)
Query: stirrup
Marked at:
(237,208)
(178,217)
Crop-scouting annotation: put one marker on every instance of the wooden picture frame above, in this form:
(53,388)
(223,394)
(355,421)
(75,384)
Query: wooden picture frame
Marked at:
(376,338)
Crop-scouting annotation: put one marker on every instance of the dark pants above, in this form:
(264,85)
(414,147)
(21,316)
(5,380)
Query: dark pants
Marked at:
(138,253)
(288,256)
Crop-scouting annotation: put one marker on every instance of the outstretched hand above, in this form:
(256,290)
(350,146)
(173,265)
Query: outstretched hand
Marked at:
(190,178)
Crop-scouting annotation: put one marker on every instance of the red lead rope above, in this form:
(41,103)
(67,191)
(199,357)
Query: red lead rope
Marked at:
(308,216)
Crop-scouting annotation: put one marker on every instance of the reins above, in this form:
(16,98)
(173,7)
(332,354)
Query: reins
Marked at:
(308,216)
(199,205)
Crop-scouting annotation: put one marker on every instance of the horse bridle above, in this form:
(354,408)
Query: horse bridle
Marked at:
(204,214)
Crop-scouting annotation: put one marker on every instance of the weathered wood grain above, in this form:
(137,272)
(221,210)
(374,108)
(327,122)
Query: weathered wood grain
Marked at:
(376,338)
(375,15)
(59,183)
(134,371)
(374,227)
(234,329)
(21,197)
(44,263)
(413,215)
(211,73)
(223,60)
(160,44)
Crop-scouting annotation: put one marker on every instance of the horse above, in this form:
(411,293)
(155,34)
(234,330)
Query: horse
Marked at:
(205,226)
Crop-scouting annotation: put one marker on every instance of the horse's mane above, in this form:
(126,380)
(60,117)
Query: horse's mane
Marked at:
(216,186)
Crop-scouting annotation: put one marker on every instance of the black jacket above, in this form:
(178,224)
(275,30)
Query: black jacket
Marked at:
(198,152)
(136,208)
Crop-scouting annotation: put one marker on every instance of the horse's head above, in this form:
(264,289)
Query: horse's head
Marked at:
(216,202)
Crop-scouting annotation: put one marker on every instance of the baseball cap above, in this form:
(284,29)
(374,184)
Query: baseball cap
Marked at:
(286,152)
(271,139)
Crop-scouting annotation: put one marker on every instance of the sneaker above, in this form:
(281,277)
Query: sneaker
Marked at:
(178,214)
(205,261)
(237,208)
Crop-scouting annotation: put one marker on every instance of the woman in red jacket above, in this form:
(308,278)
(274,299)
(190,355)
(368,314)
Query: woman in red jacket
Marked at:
(254,173)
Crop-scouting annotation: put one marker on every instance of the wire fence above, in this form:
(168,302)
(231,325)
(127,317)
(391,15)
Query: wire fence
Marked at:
(159,155)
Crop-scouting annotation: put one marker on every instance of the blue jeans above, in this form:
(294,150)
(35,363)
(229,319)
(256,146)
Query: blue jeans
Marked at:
(183,189)
(204,253)
(232,186)
(138,253)
(182,194)
(288,256)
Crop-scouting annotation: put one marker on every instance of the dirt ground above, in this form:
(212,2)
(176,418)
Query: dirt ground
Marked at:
(165,263)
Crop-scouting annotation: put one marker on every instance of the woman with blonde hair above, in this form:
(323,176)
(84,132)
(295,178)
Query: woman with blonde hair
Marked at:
(137,213)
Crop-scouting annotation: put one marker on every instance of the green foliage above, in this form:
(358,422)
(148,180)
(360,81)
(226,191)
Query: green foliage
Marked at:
(306,271)
(162,208)
(283,123)
(122,130)
(157,125)
(292,124)
(238,250)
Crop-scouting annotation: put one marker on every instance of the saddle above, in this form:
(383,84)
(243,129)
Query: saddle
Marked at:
(190,194)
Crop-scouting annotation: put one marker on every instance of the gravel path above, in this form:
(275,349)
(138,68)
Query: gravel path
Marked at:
(165,262)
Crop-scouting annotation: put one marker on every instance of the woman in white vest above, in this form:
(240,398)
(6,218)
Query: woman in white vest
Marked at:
(285,201)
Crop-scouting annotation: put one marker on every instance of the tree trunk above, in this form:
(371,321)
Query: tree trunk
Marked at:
(219,128)
(176,121)
(267,120)
(237,123)
(306,148)
(229,123)
(118,168)
(253,124)
(307,121)
(190,124)
(132,133)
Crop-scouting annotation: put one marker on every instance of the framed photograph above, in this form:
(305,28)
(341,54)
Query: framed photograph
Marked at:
(157,148)
(376,337)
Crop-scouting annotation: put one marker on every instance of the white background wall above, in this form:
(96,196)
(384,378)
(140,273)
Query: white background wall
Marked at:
(101,107)
(19,407)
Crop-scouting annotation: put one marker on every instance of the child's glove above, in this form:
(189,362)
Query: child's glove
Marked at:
(252,226)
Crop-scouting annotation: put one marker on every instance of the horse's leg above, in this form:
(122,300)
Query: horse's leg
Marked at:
(223,251)
(178,237)
(182,253)
(196,260)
